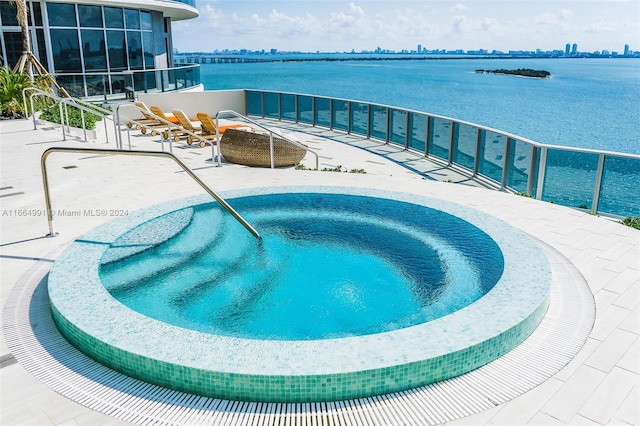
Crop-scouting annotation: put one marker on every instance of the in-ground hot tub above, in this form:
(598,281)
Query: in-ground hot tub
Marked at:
(350,293)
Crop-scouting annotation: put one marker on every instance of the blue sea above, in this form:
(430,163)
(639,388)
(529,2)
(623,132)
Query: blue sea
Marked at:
(587,103)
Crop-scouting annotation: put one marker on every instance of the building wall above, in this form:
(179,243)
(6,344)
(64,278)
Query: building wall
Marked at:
(93,46)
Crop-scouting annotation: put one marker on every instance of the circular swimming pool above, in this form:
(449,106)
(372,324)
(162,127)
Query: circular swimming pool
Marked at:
(350,293)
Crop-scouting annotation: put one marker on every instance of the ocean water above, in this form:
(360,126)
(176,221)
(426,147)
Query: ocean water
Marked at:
(587,103)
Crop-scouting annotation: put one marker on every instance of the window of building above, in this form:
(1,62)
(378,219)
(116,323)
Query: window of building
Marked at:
(37,14)
(13,45)
(90,16)
(94,50)
(134,48)
(147,43)
(66,50)
(62,14)
(132,19)
(113,17)
(117,50)
(8,14)
(42,50)
(145,21)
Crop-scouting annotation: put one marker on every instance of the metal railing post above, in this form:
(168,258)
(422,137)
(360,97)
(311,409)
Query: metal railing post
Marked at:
(598,184)
(542,168)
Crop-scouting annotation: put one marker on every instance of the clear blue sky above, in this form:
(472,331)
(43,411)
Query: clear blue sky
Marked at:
(335,25)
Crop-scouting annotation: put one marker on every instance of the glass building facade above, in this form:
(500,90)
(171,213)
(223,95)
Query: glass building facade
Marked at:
(95,49)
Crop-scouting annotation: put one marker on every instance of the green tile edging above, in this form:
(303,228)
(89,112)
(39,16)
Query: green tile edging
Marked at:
(298,371)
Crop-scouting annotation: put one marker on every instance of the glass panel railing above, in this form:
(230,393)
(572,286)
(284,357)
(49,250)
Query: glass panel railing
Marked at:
(491,154)
(619,187)
(340,114)
(378,125)
(118,85)
(271,108)
(288,105)
(518,165)
(97,85)
(73,84)
(398,127)
(254,103)
(305,109)
(464,145)
(323,112)
(439,137)
(359,118)
(418,129)
(150,82)
(570,178)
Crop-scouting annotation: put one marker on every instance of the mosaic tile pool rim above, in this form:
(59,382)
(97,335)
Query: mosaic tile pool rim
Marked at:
(298,371)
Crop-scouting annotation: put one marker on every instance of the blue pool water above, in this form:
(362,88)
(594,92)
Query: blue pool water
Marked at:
(328,265)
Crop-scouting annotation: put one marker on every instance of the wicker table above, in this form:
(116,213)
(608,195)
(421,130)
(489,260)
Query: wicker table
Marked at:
(252,149)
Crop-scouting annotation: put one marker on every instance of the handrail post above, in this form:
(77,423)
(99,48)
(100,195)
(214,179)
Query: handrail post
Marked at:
(271,150)
(47,196)
(33,114)
(64,135)
(598,184)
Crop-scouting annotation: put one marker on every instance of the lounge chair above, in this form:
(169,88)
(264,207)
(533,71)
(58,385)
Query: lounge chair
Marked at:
(151,120)
(169,117)
(209,126)
(186,123)
(147,119)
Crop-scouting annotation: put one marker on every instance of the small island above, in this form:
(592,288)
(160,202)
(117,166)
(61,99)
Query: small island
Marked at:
(524,72)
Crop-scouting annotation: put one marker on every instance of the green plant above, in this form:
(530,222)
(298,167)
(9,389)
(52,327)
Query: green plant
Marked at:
(52,113)
(362,171)
(523,194)
(338,168)
(11,96)
(631,221)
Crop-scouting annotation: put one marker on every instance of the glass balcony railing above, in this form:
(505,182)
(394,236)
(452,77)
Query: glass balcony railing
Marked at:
(598,181)
(120,85)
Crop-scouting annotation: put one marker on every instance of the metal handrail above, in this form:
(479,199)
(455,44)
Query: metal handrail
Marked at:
(47,196)
(271,132)
(77,103)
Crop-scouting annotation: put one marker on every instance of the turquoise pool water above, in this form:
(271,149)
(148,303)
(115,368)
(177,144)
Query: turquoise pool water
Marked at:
(328,266)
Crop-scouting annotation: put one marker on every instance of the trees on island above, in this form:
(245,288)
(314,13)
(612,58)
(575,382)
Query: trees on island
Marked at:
(525,72)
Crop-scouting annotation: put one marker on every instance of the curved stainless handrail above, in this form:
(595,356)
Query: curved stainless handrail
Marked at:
(271,132)
(47,196)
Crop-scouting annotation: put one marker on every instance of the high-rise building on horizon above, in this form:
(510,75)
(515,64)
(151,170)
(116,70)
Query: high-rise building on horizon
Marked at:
(567,49)
(574,49)
(626,50)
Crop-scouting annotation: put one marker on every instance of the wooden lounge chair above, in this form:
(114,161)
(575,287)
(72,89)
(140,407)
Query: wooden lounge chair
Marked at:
(209,126)
(169,117)
(186,123)
(147,119)
(152,120)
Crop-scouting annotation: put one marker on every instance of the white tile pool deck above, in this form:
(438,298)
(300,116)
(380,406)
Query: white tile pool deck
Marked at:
(600,386)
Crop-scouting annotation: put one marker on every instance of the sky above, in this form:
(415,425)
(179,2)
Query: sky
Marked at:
(335,25)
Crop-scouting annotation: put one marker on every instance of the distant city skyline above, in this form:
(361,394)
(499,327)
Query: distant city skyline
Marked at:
(472,25)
